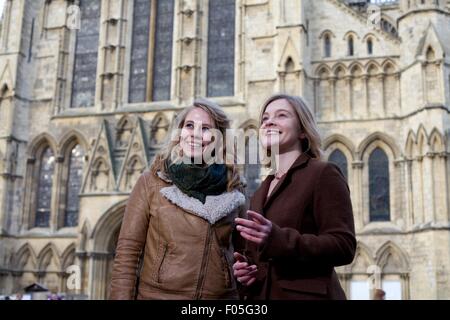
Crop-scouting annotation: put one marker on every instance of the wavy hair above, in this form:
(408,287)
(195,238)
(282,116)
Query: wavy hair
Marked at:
(221,123)
(312,143)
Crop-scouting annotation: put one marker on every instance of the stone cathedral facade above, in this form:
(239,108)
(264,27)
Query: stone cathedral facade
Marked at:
(89,89)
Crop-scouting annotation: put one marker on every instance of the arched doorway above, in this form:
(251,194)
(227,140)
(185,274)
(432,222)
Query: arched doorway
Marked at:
(104,236)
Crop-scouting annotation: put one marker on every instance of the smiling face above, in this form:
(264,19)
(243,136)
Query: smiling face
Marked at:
(196,133)
(280,126)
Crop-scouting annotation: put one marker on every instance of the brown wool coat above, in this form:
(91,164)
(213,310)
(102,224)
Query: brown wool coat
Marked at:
(313,232)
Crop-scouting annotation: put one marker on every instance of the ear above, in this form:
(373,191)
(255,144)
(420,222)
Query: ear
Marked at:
(302,135)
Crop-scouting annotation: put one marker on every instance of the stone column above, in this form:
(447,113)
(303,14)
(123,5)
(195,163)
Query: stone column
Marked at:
(189,42)
(113,54)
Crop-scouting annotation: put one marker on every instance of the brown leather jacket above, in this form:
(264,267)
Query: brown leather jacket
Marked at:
(186,246)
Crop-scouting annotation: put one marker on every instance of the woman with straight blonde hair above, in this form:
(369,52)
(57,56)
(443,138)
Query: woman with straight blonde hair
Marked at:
(300,223)
(176,237)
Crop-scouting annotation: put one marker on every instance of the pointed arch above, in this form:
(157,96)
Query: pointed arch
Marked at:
(125,122)
(389,67)
(39,142)
(422,141)
(323,71)
(410,144)
(289,65)
(436,141)
(363,259)
(368,36)
(289,51)
(372,68)
(5,91)
(6,81)
(351,33)
(24,256)
(392,259)
(327,32)
(99,162)
(340,139)
(110,220)
(388,141)
(46,255)
(137,158)
(160,127)
(356,69)
(84,236)
(68,256)
(71,138)
(249,124)
(430,54)
(340,70)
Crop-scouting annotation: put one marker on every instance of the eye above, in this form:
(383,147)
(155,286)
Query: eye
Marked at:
(205,129)
(282,115)
(189,126)
(264,119)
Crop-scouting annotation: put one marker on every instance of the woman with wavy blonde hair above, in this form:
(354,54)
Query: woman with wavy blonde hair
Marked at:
(300,223)
(179,219)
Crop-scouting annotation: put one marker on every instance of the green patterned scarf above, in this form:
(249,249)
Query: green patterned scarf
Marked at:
(199,181)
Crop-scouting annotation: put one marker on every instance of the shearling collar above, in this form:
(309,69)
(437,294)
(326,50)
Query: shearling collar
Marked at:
(214,208)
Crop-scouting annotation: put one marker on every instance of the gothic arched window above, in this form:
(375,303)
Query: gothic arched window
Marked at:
(327,46)
(338,158)
(369,46)
(221,37)
(379,202)
(74,186)
(86,52)
(351,46)
(44,189)
(151,51)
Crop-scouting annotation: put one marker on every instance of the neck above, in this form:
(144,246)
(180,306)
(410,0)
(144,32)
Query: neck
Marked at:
(286,159)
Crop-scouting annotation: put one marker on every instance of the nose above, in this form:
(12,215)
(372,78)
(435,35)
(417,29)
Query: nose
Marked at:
(268,122)
(197,132)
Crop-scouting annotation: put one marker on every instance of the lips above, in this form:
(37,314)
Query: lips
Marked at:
(195,144)
(273,132)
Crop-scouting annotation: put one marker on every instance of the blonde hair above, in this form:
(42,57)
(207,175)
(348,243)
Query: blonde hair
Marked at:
(221,123)
(312,145)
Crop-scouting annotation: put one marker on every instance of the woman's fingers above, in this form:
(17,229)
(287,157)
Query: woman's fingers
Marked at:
(251,281)
(252,238)
(239,257)
(251,232)
(245,272)
(257,217)
(248,223)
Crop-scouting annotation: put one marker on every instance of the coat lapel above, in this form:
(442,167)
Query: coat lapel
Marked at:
(301,160)
(259,198)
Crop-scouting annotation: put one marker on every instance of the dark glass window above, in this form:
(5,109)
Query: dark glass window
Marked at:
(338,158)
(369,46)
(162,63)
(139,51)
(379,186)
(162,30)
(86,51)
(327,46)
(73,186)
(221,31)
(351,46)
(44,189)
